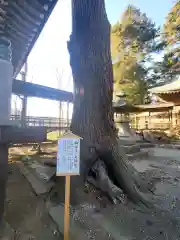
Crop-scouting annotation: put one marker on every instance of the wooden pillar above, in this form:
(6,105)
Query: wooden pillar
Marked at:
(6,76)
(135,122)
(146,123)
(67,114)
(170,118)
(24,99)
(171,123)
(176,119)
(149,122)
(60,118)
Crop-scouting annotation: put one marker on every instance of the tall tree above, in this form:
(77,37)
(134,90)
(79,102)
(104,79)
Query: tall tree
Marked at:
(133,38)
(172,25)
(169,67)
(172,37)
(90,59)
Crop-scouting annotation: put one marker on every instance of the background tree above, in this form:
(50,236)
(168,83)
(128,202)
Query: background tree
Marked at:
(133,39)
(172,37)
(172,25)
(90,59)
(169,67)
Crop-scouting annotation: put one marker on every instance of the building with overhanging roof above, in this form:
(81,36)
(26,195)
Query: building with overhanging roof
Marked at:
(169,92)
(164,113)
(21,24)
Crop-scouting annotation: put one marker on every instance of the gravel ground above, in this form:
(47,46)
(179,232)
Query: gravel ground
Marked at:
(128,222)
(164,221)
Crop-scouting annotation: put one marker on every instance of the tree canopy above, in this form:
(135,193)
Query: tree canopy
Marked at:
(172,25)
(171,31)
(134,41)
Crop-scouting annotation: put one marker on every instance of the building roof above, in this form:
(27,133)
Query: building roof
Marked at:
(167,88)
(125,108)
(21,23)
(157,107)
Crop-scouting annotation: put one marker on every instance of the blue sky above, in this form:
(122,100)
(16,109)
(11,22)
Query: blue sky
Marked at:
(157,10)
(48,63)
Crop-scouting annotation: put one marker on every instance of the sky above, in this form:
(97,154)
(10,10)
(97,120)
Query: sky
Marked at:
(48,63)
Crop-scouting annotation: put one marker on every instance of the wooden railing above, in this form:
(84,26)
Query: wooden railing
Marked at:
(152,126)
(62,123)
(50,122)
(163,126)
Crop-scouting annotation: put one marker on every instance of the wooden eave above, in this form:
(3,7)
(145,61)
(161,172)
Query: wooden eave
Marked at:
(21,21)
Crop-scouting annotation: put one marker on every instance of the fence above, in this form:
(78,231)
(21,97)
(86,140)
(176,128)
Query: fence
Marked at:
(63,123)
(50,122)
(152,126)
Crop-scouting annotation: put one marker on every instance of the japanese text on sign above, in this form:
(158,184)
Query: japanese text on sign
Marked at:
(68,157)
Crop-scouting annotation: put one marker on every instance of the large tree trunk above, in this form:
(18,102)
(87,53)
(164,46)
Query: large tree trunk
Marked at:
(90,59)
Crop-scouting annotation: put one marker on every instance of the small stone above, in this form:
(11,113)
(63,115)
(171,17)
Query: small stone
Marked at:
(149,223)
(55,232)
(176,179)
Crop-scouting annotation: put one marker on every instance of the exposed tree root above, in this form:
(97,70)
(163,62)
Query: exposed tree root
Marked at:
(37,147)
(113,175)
(98,177)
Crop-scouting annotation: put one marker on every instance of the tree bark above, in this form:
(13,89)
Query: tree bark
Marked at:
(90,60)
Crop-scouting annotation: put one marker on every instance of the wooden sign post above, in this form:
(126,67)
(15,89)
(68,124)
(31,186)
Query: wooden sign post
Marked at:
(68,164)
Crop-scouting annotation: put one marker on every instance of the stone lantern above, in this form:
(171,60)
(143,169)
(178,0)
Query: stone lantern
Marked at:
(121,115)
(119,106)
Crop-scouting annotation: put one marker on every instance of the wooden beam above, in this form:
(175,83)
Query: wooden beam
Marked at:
(39,91)
(23,134)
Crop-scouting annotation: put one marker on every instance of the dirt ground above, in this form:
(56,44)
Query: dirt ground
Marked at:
(162,222)
(126,221)
(25,212)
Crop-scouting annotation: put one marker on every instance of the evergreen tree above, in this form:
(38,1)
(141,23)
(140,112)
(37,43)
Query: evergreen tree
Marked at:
(133,39)
(169,68)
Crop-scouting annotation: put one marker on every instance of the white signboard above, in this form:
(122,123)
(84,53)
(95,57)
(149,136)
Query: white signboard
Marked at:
(68,155)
